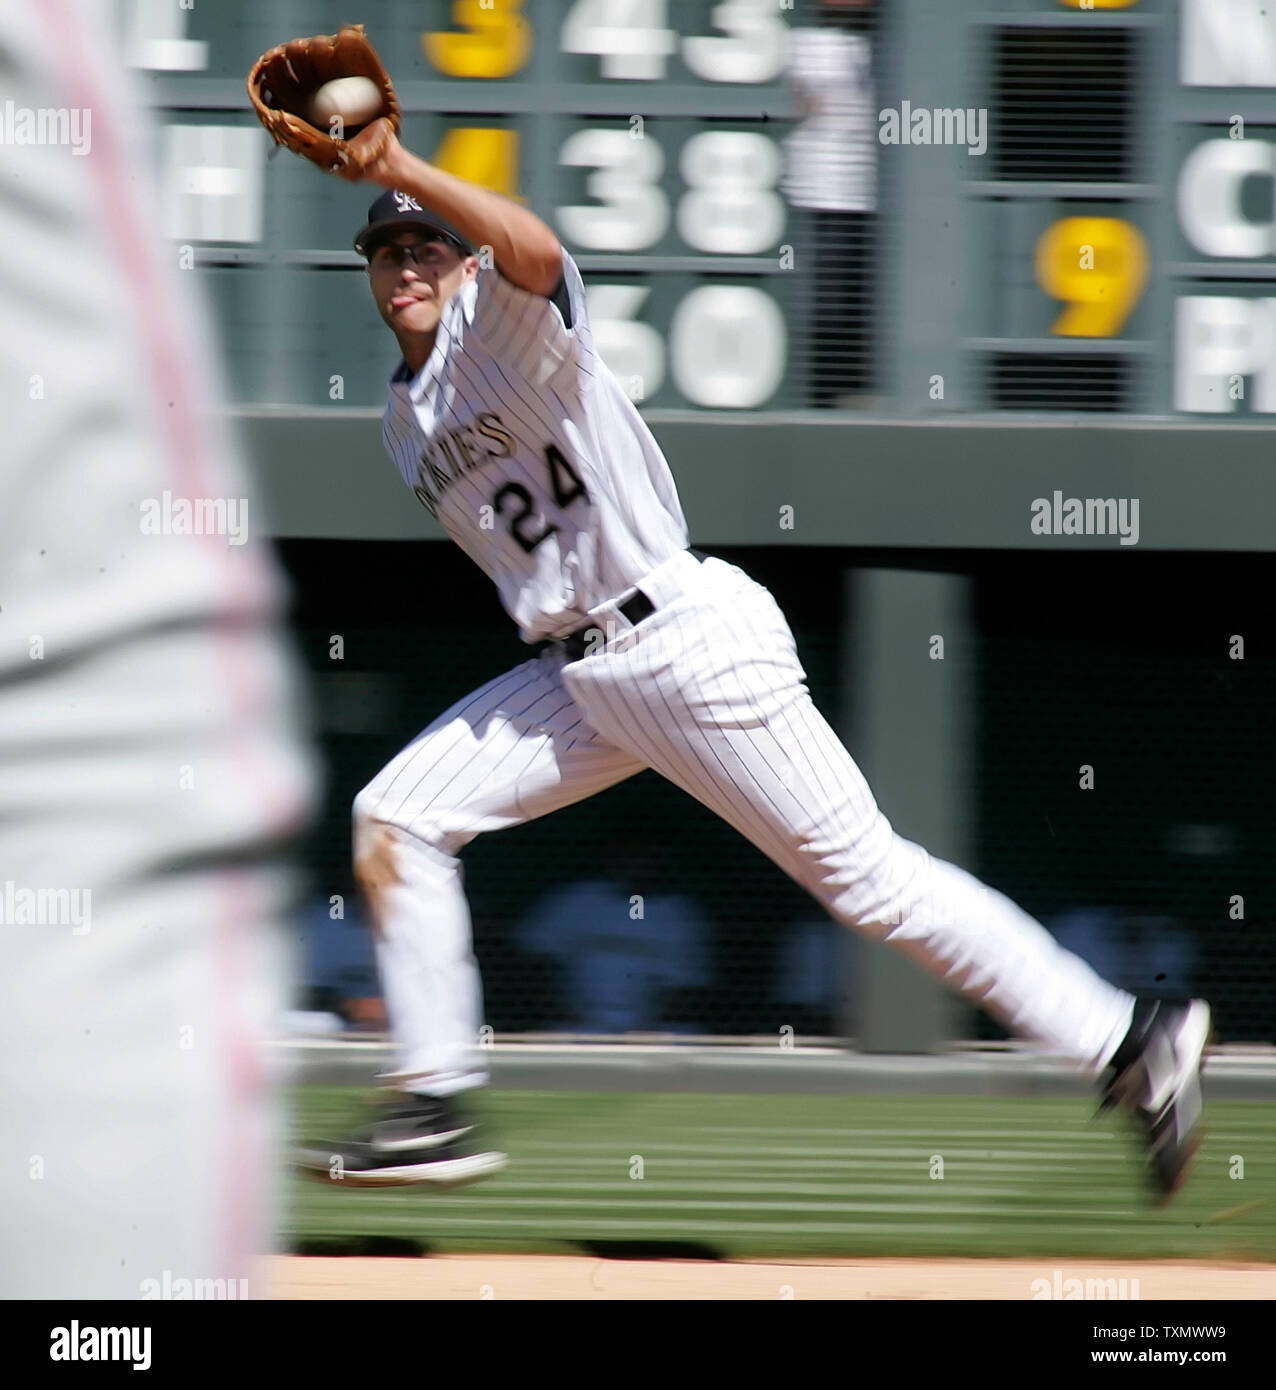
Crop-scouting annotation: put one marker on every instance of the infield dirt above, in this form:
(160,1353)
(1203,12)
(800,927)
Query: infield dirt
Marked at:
(586,1277)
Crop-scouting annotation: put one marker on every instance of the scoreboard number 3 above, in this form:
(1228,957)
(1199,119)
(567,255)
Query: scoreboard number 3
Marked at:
(1098,267)
(497,41)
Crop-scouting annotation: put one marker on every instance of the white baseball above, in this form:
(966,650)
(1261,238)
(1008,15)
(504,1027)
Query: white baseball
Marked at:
(356,100)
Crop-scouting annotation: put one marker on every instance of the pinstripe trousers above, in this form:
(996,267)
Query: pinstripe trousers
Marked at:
(709,692)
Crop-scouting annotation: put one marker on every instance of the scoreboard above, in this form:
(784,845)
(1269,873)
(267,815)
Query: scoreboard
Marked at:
(648,133)
(1127,208)
(1221,252)
(1109,248)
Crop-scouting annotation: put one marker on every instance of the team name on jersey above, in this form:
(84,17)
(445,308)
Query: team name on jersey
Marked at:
(462,453)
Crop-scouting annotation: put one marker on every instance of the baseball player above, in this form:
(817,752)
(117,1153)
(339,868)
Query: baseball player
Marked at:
(512,432)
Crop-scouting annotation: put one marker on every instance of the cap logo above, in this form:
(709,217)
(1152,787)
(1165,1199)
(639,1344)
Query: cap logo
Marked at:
(405,202)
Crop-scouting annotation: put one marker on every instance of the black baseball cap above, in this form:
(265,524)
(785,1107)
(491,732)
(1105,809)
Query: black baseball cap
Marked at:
(394,211)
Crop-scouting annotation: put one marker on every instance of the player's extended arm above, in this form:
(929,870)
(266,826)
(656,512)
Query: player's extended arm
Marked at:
(525,250)
(283,86)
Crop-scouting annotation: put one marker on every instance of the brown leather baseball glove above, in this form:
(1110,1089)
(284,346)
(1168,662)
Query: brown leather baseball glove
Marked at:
(283,83)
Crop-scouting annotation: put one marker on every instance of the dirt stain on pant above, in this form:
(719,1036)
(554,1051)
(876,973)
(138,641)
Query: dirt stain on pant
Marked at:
(377,870)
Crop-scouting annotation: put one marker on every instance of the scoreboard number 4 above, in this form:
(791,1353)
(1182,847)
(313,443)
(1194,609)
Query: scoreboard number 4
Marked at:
(486,155)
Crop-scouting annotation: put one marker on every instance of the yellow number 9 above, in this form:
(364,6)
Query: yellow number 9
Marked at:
(498,43)
(1098,267)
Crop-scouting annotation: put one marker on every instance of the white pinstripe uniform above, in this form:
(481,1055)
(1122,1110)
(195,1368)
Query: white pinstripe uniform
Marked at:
(515,413)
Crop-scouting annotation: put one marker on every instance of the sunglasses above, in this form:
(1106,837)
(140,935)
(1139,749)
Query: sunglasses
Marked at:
(428,251)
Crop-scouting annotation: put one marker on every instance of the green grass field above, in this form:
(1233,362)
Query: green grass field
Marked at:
(773,1175)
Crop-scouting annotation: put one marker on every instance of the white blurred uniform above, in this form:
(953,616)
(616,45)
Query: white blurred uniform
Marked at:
(832,154)
(147,753)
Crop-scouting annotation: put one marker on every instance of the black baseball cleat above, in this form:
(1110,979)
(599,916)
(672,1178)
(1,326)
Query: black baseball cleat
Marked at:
(1155,1076)
(423,1140)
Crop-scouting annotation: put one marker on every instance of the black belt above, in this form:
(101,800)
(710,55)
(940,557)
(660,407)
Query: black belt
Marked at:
(635,609)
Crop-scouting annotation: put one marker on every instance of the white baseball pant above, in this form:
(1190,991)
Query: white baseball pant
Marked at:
(709,692)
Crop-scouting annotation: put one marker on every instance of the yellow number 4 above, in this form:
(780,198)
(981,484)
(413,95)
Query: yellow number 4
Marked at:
(485,155)
(1098,267)
(497,44)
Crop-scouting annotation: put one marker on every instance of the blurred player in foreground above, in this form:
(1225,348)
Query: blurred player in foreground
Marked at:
(511,431)
(149,768)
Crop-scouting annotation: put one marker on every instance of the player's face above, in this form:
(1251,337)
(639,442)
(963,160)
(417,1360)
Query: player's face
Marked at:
(413,277)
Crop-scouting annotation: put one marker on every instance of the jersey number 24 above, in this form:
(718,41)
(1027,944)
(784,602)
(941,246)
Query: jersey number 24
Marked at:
(566,485)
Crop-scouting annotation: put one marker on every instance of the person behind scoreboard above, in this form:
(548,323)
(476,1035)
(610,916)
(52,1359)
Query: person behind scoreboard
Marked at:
(832,171)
